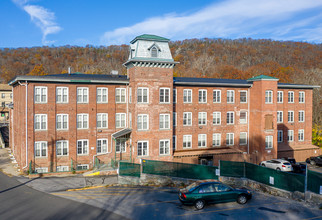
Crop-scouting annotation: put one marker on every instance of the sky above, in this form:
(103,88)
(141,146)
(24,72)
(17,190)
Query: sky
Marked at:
(29,23)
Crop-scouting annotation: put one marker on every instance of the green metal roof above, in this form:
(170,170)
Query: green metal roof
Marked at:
(262,77)
(150,37)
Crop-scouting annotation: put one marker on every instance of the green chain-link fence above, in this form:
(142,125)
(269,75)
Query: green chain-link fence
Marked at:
(314,181)
(129,169)
(182,170)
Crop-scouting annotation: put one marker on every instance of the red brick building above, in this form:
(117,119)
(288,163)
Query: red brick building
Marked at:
(69,120)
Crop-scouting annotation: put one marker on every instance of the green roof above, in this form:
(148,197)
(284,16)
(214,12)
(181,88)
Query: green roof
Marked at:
(262,77)
(150,37)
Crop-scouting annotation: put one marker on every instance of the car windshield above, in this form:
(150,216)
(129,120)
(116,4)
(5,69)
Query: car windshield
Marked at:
(286,163)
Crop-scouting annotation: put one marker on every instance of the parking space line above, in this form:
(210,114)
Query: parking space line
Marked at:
(152,203)
(229,209)
(317,217)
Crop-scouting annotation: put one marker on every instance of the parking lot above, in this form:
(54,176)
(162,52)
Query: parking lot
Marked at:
(162,203)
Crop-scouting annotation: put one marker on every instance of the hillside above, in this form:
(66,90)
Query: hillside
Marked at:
(294,62)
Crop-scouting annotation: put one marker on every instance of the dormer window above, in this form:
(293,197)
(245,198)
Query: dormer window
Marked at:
(154,52)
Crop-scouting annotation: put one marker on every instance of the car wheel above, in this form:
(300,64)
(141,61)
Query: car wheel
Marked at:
(242,199)
(312,162)
(279,169)
(263,165)
(200,204)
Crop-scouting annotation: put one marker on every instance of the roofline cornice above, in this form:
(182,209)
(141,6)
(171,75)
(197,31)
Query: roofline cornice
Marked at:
(212,84)
(298,86)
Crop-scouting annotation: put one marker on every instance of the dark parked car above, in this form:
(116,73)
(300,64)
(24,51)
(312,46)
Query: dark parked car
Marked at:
(201,193)
(297,167)
(315,160)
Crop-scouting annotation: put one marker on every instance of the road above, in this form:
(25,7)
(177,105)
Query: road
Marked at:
(139,202)
(18,201)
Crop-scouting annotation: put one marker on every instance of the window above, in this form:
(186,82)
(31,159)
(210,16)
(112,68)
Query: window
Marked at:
(269,142)
(290,135)
(143,95)
(279,96)
(101,146)
(202,96)
(101,95)
(154,52)
(82,121)
(40,94)
(243,97)
(120,145)
(243,138)
(187,141)
(216,96)
(62,168)
(82,167)
(269,125)
(202,139)
(280,136)
(11,95)
(216,140)
(120,119)
(229,139)
(164,147)
(202,118)
(243,117)
(174,95)
(41,149)
(290,116)
(174,119)
(187,118)
(82,95)
(143,122)
(62,121)
(216,118)
(164,95)
(82,147)
(301,135)
(101,120)
(62,148)
(279,117)
(230,118)
(301,116)
(62,94)
(120,96)
(230,96)
(301,97)
(174,142)
(41,170)
(268,96)
(164,121)
(290,97)
(40,122)
(3,95)
(143,148)
(187,96)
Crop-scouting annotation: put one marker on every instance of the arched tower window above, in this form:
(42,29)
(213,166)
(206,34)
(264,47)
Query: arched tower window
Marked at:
(154,52)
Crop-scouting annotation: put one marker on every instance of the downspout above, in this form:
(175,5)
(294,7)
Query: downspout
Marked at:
(26,122)
(248,118)
(12,119)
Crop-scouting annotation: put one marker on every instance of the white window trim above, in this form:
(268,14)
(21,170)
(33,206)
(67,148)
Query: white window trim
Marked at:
(82,140)
(202,114)
(302,111)
(241,139)
(164,122)
(202,97)
(62,148)
(120,116)
(102,152)
(40,143)
(147,149)
(289,99)
(280,132)
(82,127)
(240,96)
(147,94)
(83,89)
(42,169)
(229,134)
(269,139)
(288,118)
(82,165)
(164,140)
(189,138)
(40,129)
(281,121)
(121,91)
(201,138)
(269,97)
(188,114)
(147,121)
(243,121)
(188,91)
(216,135)
(216,90)
(62,168)
(102,114)
(301,92)
(41,87)
(280,92)
(213,114)
(62,122)
(233,94)
(62,95)
(301,131)
(169,98)
(101,101)
(290,133)
(233,113)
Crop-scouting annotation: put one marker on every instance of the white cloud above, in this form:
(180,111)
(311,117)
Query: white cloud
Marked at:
(42,17)
(230,18)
